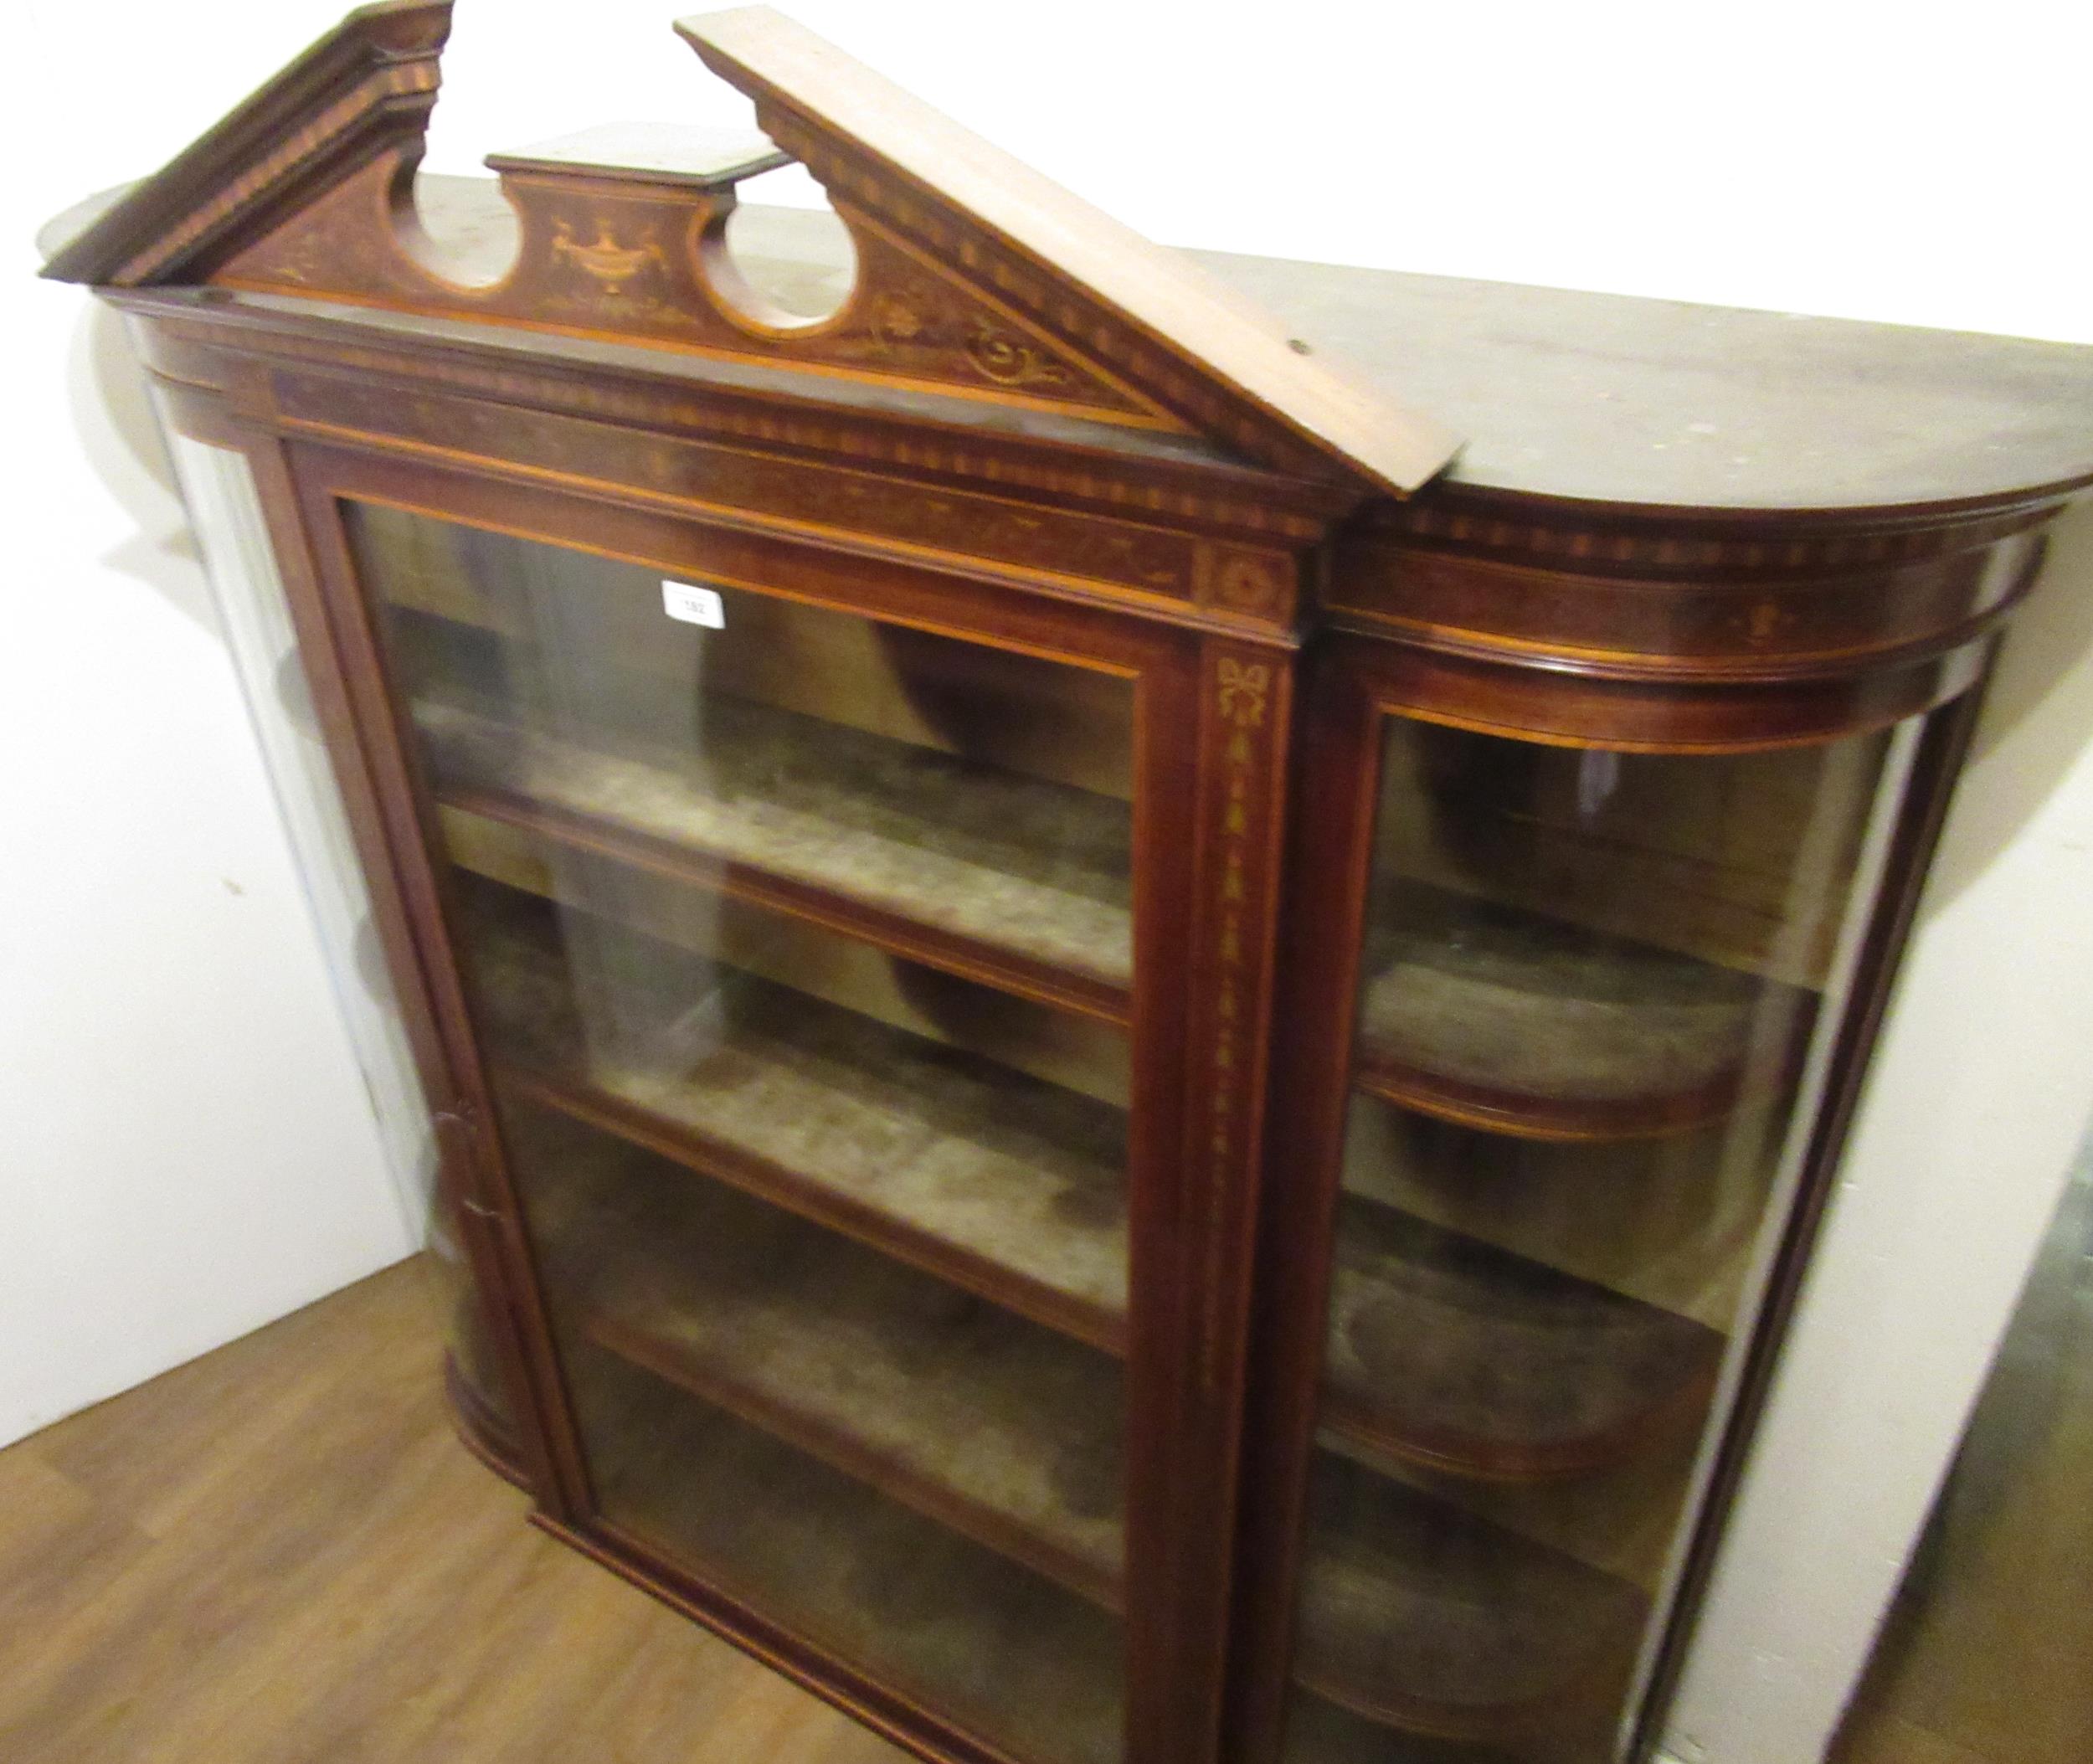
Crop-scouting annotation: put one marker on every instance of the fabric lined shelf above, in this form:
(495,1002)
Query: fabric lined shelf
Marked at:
(1458,1355)
(1012,1436)
(1620,1519)
(1668,1220)
(1005,1184)
(1495,1018)
(1444,1351)
(1420,1616)
(1021,882)
(1006,1431)
(1017,1660)
(1003,1652)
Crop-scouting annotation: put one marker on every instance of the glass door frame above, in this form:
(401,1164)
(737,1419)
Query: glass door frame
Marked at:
(1182,1431)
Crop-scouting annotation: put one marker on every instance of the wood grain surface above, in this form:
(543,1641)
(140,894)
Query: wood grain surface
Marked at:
(1210,333)
(281,1551)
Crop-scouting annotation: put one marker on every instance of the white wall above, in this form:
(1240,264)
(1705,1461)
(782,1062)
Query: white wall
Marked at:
(186,1151)
(187,1148)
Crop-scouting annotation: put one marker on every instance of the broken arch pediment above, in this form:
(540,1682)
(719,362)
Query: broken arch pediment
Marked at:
(972,275)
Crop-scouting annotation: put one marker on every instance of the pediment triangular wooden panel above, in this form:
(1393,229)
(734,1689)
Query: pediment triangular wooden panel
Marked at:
(974,276)
(1231,372)
(637,255)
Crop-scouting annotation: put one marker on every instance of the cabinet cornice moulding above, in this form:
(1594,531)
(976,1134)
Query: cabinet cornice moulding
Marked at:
(363,91)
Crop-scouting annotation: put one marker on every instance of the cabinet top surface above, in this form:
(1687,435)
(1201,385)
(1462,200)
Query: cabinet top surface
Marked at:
(1607,398)
(1619,399)
(1630,401)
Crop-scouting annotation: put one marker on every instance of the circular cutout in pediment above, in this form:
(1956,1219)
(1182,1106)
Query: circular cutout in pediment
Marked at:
(778,270)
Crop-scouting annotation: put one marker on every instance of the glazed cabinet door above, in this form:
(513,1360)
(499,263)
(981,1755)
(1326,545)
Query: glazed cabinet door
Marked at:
(1565,1021)
(803,936)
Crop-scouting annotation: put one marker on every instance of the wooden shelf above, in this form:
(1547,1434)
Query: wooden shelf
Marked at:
(1020,883)
(1510,1021)
(1415,1613)
(1009,1187)
(1443,1352)
(1621,1520)
(997,1650)
(1076,1051)
(1420,1616)
(1454,1355)
(973,1416)
(1318,1732)
(1671,1222)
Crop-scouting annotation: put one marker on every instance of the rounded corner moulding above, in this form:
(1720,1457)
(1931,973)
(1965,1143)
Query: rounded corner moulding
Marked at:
(1528,1115)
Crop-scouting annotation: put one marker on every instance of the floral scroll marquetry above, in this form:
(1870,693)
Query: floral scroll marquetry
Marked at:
(919,320)
(1008,362)
(922,315)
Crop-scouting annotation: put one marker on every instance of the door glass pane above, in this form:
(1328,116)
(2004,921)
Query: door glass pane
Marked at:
(800,950)
(1588,988)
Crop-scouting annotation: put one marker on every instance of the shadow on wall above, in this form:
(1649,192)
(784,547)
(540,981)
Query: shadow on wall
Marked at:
(118,436)
(2038,711)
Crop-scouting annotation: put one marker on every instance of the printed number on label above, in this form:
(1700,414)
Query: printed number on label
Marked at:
(694,605)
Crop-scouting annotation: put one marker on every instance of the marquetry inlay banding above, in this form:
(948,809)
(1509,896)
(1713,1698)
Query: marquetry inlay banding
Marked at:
(1244,707)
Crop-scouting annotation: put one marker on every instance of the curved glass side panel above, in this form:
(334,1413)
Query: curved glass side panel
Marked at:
(225,511)
(1594,991)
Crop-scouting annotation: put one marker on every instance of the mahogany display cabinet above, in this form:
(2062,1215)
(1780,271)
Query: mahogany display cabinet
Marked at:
(1133,1053)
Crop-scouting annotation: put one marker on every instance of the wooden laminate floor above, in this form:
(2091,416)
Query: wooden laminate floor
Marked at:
(281,1552)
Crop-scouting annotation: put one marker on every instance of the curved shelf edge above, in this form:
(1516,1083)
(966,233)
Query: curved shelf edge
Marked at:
(1589,1699)
(1449,1353)
(1528,1116)
(1348,1416)
(1368,1537)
